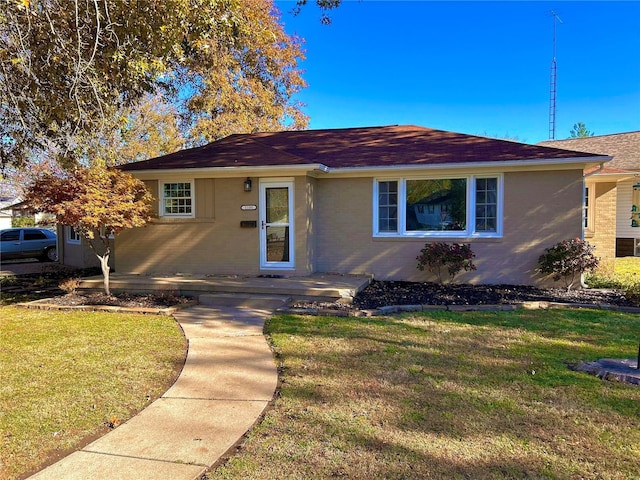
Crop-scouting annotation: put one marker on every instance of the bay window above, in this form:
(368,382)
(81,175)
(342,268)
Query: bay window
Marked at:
(448,207)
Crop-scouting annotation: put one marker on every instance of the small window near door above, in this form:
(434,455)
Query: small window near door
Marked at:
(177,199)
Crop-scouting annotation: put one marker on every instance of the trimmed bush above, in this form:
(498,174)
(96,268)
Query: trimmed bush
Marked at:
(568,260)
(455,257)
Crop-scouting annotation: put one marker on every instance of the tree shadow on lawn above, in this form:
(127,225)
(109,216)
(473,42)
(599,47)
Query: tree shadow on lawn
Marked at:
(459,395)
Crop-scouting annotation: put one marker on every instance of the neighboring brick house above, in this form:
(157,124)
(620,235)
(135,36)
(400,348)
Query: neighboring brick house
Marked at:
(612,193)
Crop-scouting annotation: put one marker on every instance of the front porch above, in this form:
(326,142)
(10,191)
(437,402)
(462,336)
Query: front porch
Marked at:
(319,286)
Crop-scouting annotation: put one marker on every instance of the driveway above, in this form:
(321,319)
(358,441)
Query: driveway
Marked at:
(28,266)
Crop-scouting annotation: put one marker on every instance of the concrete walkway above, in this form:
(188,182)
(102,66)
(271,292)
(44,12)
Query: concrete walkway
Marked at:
(228,379)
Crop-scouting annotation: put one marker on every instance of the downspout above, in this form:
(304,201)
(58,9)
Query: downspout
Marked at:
(584,191)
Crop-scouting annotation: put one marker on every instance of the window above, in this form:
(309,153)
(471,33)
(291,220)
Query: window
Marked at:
(177,199)
(487,205)
(585,213)
(72,235)
(34,235)
(436,205)
(10,236)
(388,206)
(448,207)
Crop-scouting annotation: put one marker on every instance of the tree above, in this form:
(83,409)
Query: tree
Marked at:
(68,67)
(249,88)
(147,130)
(97,202)
(324,5)
(579,130)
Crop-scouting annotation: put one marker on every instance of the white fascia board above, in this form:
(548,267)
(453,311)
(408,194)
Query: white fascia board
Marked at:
(318,169)
(578,163)
(228,172)
(606,177)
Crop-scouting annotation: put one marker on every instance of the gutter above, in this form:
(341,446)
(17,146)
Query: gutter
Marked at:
(600,168)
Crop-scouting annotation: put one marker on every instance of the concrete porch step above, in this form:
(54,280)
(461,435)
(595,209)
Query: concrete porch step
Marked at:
(244,300)
(320,287)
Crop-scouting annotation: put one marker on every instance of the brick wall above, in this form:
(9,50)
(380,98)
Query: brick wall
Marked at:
(604,221)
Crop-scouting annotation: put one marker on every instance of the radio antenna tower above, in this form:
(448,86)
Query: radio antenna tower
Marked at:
(553,89)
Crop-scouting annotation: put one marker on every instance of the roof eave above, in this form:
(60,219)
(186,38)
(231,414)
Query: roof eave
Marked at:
(315,169)
(228,171)
(529,164)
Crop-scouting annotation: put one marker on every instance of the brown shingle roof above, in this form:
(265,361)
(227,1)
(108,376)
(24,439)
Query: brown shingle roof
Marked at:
(352,148)
(623,147)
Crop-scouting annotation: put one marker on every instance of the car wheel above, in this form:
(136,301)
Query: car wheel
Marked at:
(50,255)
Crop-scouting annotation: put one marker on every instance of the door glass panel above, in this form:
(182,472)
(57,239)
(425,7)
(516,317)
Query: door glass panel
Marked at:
(277,243)
(277,205)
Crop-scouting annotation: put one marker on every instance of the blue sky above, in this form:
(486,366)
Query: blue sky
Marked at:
(476,67)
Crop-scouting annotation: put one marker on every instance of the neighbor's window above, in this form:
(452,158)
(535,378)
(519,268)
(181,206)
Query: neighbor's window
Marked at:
(72,235)
(454,207)
(586,207)
(177,199)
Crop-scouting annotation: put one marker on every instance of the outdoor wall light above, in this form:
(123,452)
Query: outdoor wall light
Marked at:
(247,185)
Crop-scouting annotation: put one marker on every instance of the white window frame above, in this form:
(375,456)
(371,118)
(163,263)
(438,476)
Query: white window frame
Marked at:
(588,210)
(73,237)
(161,207)
(470,231)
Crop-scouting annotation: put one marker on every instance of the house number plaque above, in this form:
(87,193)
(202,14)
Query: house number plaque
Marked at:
(249,207)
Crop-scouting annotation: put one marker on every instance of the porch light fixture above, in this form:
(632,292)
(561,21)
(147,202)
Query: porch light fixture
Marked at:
(247,185)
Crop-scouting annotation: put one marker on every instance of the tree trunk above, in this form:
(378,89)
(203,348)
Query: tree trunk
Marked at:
(104,264)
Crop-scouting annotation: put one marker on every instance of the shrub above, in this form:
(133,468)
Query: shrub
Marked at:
(70,285)
(454,256)
(568,260)
(22,221)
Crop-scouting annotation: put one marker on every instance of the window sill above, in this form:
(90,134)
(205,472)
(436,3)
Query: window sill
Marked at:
(467,239)
(174,220)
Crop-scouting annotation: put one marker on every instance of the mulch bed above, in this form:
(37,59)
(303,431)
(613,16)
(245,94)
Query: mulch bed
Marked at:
(382,293)
(120,300)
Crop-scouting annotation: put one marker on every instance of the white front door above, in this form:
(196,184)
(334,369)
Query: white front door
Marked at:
(276,225)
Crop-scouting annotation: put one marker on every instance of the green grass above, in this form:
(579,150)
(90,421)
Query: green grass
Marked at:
(623,273)
(478,395)
(64,375)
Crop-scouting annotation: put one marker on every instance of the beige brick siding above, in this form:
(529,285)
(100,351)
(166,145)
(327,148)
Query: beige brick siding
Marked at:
(603,231)
(334,231)
(540,209)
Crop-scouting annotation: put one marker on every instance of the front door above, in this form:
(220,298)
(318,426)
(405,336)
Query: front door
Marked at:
(276,225)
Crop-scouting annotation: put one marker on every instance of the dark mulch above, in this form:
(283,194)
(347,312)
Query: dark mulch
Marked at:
(120,300)
(381,293)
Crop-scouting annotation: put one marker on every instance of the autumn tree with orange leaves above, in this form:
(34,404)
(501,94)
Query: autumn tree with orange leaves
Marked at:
(97,202)
(69,68)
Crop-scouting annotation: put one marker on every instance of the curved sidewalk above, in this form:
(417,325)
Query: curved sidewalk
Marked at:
(227,381)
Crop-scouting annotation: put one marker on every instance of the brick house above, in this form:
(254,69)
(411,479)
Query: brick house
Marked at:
(354,201)
(612,193)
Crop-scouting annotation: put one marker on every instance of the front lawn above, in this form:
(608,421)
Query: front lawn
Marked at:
(65,376)
(477,395)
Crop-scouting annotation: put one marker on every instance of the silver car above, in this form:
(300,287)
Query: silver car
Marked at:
(37,243)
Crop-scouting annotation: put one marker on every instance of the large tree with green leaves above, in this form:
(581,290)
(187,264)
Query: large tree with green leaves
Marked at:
(69,67)
(98,202)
